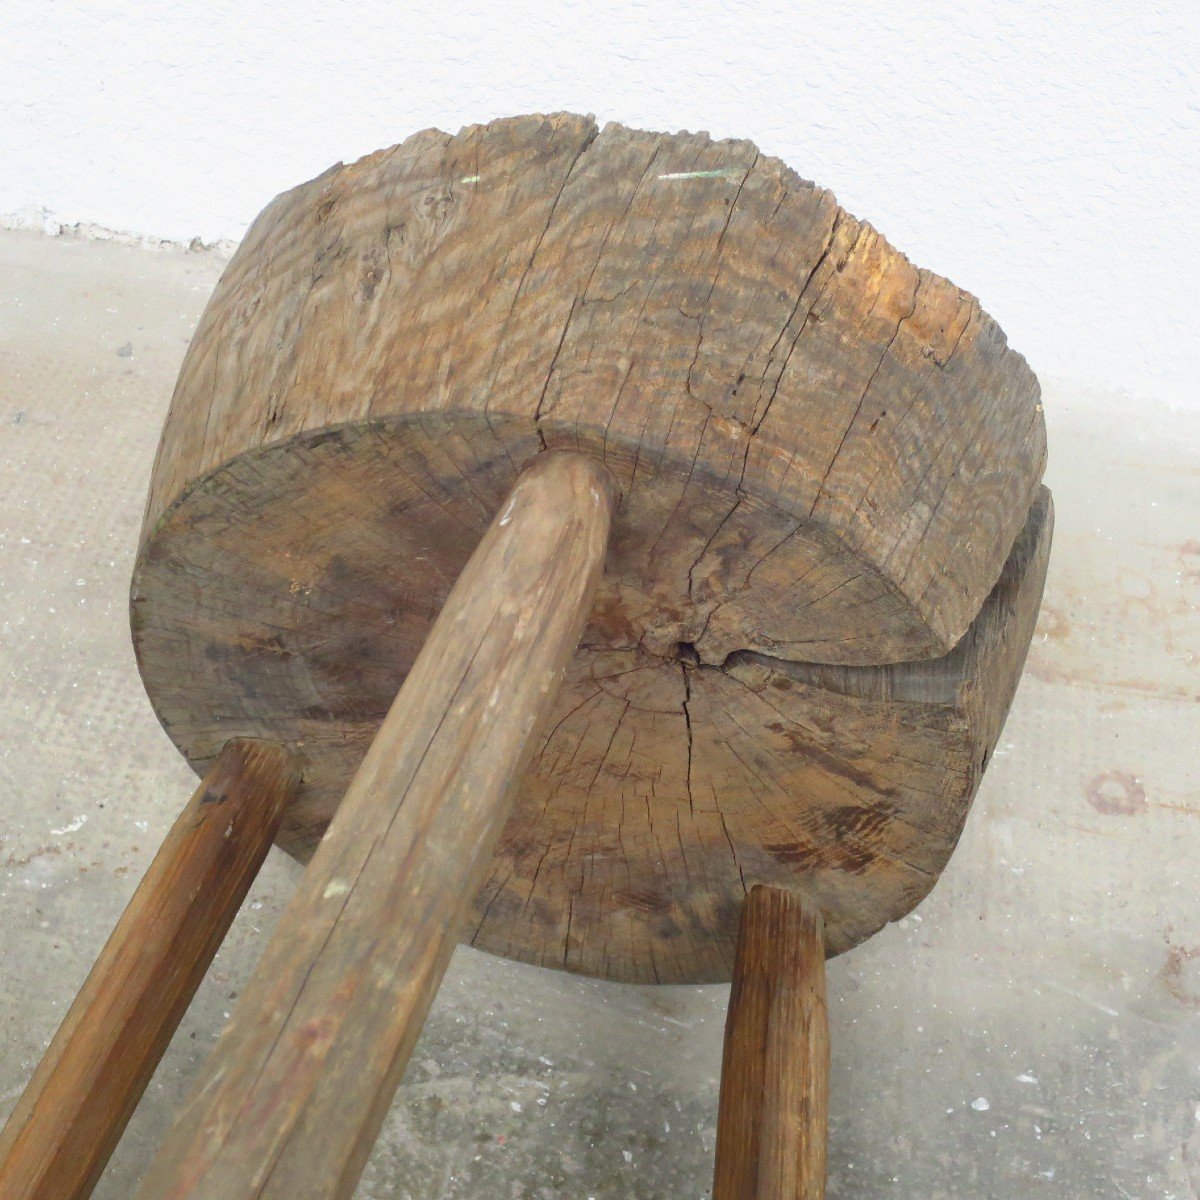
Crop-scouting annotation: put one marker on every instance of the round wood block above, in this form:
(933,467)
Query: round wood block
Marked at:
(825,457)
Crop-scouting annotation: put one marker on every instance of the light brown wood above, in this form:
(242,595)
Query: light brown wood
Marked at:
(824,456)
(777,389)
(71,1115)
(295,1092)
(664,791)
(773,1118)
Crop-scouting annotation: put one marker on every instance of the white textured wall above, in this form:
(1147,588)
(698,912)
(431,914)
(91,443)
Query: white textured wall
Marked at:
(1044,155)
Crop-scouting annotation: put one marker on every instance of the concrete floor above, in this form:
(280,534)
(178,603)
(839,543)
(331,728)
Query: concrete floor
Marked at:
(1032,1030)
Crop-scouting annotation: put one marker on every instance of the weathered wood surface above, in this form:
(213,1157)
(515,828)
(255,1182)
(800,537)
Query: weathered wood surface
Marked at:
(71,1115)
(779,392)
(294,1094)
(823,455)
(665,790)
(773,1117)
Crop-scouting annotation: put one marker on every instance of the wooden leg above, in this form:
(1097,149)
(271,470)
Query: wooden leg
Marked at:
(774,1107)
(298,1086)
(81,1096)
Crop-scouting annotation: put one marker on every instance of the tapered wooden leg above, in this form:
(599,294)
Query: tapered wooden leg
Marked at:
(81,1096)
(298,1086)
(774,1107)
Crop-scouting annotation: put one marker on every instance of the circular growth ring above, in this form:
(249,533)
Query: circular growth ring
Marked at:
(826,559)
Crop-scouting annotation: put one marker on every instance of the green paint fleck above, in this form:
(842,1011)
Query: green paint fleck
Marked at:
(723,173)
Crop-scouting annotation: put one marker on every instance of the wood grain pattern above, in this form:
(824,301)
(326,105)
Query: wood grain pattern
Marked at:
(294,1094)
(74,1109)
(772,1124)
(823,455)
(665,791)
(778,391)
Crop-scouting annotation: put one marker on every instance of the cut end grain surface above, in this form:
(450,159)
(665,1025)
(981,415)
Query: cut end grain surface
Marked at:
(824,456)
